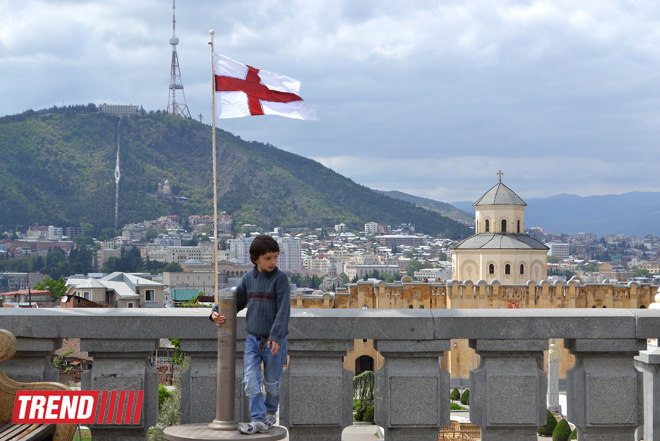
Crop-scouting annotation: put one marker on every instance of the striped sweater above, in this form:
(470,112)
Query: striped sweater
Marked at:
(268,298)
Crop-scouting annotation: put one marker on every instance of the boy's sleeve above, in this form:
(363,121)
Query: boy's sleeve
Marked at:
(241,295)
(281,324)
(215,309)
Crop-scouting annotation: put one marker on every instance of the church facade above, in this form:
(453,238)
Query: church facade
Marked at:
(499,249)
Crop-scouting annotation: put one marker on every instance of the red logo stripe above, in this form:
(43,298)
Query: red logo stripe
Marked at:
(120,406)
(138,407)
(129,407)
(104,397)
(111,407)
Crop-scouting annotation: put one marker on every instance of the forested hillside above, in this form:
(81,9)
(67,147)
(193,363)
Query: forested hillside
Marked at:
(58,167)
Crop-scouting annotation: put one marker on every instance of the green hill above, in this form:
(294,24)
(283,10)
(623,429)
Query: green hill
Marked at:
(58,166)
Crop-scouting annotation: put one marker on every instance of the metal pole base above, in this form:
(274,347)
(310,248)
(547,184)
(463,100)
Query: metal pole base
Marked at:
(202,432)
(223,425)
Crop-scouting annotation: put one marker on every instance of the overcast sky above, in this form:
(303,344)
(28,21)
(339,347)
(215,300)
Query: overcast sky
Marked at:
(430,98)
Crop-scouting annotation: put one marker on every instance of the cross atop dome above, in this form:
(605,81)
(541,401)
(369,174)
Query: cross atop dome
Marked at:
(499,174)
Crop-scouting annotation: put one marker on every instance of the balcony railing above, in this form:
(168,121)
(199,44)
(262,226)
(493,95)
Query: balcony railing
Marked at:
(608,398)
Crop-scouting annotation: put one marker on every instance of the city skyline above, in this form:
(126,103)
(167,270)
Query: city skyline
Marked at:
(427,99)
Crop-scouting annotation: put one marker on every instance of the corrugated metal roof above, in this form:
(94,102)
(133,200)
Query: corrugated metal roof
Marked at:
(499,241)
(500,194)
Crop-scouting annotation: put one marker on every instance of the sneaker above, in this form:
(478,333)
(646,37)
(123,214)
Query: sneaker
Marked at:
(253,427)
(271,419)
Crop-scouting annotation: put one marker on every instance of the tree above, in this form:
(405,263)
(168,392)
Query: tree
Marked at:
(553,259)
(455,394)
(562,431)
(465,398)
(344,278)
(549,426)
(56,288)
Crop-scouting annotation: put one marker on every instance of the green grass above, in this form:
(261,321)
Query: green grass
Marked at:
(455,406)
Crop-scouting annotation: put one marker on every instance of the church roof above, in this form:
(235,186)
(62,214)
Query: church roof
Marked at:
(499,241)
(500,194)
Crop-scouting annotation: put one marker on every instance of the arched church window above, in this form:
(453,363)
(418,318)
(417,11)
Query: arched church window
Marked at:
(518,228)
(503,225)
(507,269)
(491,269)
(487,226)
(522,269)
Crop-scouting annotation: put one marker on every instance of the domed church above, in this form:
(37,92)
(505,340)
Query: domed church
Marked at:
(500,250)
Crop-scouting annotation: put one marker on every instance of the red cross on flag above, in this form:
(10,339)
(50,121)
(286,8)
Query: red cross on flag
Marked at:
(242,90)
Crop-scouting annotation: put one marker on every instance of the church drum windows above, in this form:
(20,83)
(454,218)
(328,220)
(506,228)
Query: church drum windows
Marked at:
(503,225)
(491,269)
(507,269)
(487,226)
(522,269)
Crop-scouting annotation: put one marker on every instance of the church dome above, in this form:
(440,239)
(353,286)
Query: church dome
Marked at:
(500,194)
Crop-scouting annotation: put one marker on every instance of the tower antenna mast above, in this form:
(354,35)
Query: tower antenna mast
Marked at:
(173,106)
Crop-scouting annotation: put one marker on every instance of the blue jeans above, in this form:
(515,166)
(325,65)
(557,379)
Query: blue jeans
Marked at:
(273,366)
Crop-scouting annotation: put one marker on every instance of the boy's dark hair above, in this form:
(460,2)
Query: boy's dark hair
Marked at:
(261,245)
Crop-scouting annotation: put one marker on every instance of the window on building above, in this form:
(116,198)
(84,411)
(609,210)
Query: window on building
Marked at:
(149,295)
(522,269)
(503,225)
(487,226)
(518,228)
(86,295)
(491,269)
(129,305)
(507,269)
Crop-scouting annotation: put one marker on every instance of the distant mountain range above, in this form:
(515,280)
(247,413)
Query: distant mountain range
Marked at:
(443,208)
(633,214)
(58,167)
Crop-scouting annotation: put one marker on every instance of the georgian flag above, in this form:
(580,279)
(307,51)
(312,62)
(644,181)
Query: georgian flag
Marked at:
(242,90)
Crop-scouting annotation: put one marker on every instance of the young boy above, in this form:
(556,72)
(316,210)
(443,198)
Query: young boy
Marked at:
(266,292)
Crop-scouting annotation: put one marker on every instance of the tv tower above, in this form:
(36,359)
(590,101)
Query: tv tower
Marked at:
(173,106)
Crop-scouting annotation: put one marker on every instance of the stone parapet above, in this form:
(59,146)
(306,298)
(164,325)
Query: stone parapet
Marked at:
(605,394)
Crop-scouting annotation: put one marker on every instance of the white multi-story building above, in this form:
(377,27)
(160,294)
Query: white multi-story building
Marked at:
(352,270)
(560,250)
(241,248)
(203,253)
(290,257)
(340,228)
(371,228)
(428,274)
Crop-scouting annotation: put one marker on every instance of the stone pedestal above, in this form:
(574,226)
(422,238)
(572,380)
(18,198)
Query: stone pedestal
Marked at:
(316,391)
(508,389)
(123,365)
(605,399)
(648,362)
(199,383)
(32,360)
(412,391)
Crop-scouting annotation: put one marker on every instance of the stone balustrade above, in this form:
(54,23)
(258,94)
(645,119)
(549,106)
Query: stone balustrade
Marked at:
(605,391)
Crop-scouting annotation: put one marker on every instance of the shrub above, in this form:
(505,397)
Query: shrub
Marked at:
(465,398)
(573,434)
(163,394)
(550,424)
(455,394)
(369,414)
(562,431)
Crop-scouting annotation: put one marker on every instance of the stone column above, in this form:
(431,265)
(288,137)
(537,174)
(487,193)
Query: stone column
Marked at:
(605,399)
(648,362)
(412,391)
(316,391)
(123,365)
(553,379)
(32,360)
(508,389)
(199,383)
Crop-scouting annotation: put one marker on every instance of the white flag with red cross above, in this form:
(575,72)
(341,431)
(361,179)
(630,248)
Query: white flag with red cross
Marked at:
(244,91)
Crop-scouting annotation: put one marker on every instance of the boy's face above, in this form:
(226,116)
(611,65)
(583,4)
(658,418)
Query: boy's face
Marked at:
(267,262)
